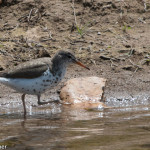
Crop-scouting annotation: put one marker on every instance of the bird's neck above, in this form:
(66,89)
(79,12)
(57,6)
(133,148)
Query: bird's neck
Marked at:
(58,67)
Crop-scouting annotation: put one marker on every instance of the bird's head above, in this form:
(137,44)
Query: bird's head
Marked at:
(68,58)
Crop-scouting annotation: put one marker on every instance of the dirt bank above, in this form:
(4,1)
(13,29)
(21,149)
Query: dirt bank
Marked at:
(111,37)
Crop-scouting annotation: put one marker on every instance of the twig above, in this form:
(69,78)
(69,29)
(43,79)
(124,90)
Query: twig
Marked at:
(132,62)
(74,12)
(112,63)
(15,27)
(93,61)
(121,13)
(22,17)
(36,11)
(145,5)
(47,39)
(137,67)
(141,20)
(123,38)
(30,13)
(131,51)
(50,34)
(38,14)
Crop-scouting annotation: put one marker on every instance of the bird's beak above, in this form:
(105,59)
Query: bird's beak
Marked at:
(79,63)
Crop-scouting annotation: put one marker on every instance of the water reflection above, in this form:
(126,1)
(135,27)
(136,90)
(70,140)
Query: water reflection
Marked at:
(123,126)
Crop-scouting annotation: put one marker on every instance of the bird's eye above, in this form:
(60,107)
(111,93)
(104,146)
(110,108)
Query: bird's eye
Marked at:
(69,56)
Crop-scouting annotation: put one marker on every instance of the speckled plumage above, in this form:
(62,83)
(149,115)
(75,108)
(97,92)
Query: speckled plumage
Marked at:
(37,76)
(34,77)
(34,86)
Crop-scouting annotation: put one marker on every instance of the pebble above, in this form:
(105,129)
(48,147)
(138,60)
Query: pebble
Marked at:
(98,33)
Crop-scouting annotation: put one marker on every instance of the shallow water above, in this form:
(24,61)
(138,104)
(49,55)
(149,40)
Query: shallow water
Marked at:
(124,126)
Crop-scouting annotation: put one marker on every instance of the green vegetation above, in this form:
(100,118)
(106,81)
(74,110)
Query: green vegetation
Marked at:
(125,28)
(82,30)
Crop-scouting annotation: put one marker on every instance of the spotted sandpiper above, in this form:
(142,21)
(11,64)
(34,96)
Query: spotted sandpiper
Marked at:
(36,76)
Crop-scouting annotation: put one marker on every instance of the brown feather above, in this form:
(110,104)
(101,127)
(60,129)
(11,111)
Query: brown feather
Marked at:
(29,70)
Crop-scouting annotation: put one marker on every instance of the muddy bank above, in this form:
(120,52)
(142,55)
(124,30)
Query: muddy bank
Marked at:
(111,37)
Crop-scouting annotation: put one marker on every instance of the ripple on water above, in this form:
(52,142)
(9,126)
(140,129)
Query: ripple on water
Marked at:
(123,126)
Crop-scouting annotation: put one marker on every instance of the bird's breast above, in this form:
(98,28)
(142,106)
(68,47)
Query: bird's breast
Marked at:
(36,86)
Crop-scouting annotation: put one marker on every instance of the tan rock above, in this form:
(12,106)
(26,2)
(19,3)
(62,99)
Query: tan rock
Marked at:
(84,92)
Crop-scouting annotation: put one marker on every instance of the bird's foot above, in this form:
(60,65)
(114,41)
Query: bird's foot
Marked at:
(43,103)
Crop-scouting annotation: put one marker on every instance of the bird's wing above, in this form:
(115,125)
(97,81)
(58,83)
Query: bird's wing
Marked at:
(29,70)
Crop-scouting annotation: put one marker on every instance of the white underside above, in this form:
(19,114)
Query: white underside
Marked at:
(34,86)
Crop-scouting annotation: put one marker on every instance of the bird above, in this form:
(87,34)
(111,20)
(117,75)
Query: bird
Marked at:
(36,76)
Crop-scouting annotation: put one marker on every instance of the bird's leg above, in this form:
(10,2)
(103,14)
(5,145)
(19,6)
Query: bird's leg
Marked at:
(39,102)
(24,106)
(42,103)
